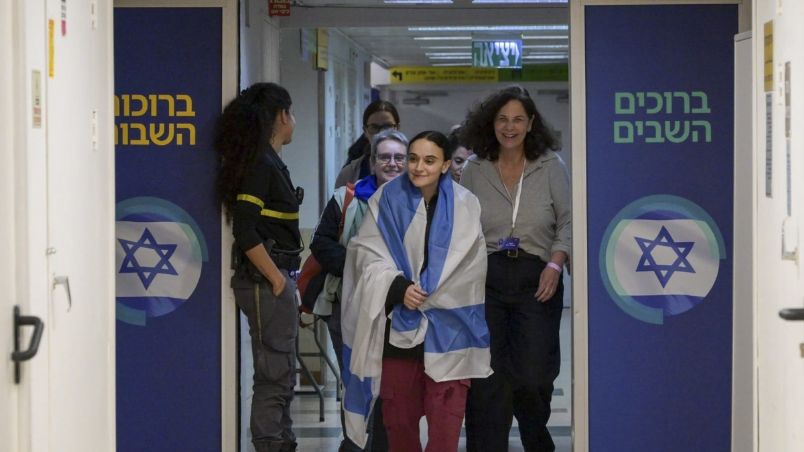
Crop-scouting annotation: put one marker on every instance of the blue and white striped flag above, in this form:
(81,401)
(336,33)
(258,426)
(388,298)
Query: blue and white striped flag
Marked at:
(451,323)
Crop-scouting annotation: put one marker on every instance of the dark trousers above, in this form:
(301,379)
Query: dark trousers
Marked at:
(525,356)
(273,326)
(377,439)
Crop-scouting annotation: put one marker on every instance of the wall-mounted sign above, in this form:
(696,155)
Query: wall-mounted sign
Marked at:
(278,8)
(322,49)
(426,74)
(499,54)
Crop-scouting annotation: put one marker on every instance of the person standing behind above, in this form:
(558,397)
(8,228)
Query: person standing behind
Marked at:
(523,188)
(260,200)
(388,157)
(460,153)
(419,260)
(379,115)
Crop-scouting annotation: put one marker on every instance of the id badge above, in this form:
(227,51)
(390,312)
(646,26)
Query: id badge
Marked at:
(509,244)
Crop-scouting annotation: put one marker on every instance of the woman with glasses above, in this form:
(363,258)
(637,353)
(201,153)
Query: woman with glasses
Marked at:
(379,115)
(523,188)
(413,319)
(335,229)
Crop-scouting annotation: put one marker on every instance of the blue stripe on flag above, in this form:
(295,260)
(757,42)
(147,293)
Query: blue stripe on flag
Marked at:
(456,329)
(440,235)
(405,319)
(357,393)
(398,204)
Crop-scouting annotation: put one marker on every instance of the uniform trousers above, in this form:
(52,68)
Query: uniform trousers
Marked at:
(408,394)
(525,357)
(273,326)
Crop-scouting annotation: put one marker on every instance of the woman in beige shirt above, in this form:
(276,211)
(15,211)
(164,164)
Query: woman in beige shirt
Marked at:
(523,188)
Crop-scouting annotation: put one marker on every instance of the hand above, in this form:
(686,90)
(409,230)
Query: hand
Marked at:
(548,282)
(278,286)
(414,297)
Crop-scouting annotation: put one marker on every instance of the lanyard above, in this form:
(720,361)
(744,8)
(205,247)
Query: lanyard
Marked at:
(518,194)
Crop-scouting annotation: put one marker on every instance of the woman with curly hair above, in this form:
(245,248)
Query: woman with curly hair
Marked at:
(260,200)
(523,188)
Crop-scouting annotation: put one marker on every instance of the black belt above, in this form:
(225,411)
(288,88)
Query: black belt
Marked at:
(287,262)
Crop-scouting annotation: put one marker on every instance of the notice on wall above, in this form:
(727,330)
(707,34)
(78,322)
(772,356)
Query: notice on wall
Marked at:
(769,144)
(426,74)
(768,68)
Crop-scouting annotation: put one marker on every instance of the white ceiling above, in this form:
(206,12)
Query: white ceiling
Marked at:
(387,31)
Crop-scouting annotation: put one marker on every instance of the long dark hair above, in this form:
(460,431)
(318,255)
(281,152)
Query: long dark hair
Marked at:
(478,129)
(380,105)
(242,133)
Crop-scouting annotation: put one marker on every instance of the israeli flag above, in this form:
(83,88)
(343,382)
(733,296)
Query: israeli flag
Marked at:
(156,259)
(664,257)
(451,324)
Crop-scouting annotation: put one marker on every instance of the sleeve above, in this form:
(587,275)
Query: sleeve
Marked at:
(396,293)
(250,201)
(560,193)
(326,246)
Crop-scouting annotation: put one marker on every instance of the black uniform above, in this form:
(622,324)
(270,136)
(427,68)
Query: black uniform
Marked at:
(267,213)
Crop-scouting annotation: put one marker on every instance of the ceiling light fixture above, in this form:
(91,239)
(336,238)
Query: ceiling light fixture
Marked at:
(447,47)
(494,28)
(519,1)
(545,57)
(441,54)
(450,64)
(546,46)
(545,37)
(443,38)
(408,2)
(450,57)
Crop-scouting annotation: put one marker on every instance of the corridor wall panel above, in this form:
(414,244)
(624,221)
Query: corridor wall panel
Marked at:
(659,164)
(168,95)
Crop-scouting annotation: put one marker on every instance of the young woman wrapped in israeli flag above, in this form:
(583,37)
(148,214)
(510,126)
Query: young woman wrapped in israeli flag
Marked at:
(420,261)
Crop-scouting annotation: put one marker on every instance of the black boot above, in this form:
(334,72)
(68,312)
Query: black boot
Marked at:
(270,445)
(288,446)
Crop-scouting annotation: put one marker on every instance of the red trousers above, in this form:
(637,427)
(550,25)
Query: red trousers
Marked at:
(408,394)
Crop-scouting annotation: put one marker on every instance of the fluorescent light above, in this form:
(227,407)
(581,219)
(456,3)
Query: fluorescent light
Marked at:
(546,46)
(441,54)
(443,38)
(417,1)
(545,37)
(494,28)
(557,56)
(450,57)
(447,47)
(450,64)
(519,1)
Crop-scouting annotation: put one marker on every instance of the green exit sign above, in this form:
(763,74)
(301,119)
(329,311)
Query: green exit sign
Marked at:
(499,54)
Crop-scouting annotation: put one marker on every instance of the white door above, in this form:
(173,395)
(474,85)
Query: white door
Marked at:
(78,377)
(780,216)
(8,389)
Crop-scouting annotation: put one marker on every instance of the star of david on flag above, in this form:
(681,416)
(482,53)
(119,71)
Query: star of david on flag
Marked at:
(664,249)
(156,259)
(146,273)
(663,257)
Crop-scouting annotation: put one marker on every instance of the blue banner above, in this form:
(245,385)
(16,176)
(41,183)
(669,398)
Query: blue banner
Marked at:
(659,112)
(167,97)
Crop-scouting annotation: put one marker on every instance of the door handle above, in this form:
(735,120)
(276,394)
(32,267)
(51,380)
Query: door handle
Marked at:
(792,313)
(18,356)
(65,281)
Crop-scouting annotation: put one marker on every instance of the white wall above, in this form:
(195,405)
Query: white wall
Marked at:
(346,94)
(779,282)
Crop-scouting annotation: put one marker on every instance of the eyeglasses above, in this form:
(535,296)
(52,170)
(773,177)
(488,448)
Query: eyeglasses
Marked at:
(374,128)
(387,158)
